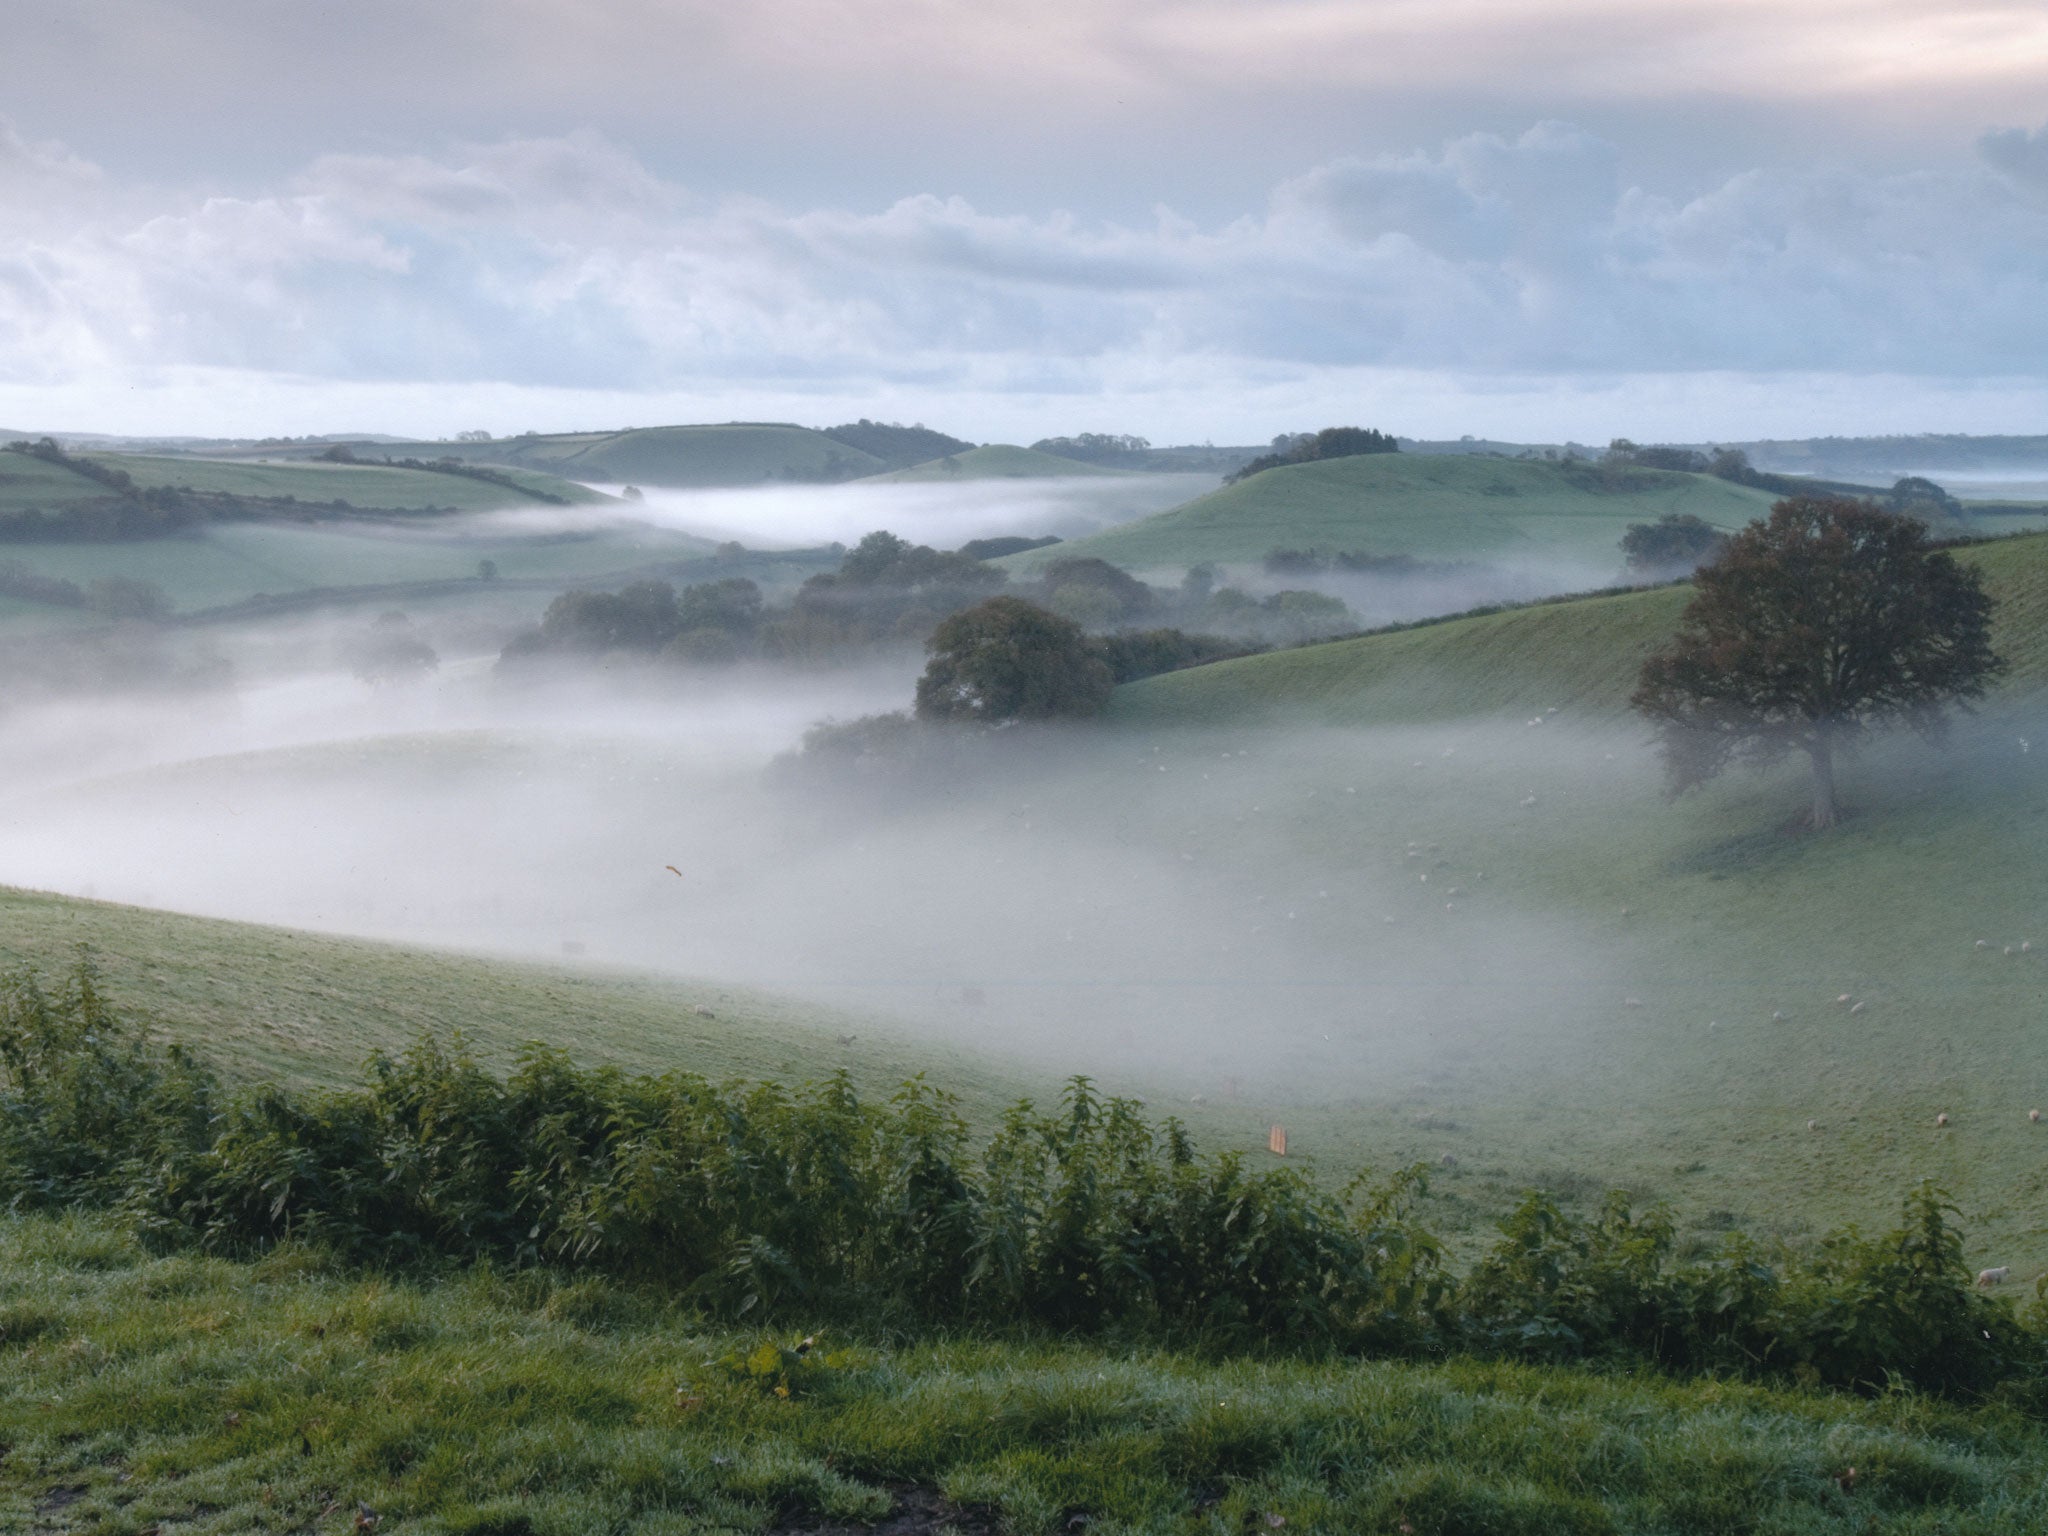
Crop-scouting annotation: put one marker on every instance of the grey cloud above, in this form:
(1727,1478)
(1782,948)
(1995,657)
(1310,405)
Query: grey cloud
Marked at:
(2019,154)
(567,262)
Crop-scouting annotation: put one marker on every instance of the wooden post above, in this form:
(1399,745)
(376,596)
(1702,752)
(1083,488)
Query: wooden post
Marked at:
(1276,1141)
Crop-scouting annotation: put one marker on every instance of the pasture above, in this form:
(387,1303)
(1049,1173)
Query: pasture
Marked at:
(1430,507)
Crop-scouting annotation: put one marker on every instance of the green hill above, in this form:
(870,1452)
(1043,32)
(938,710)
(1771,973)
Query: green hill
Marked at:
(368,487)
(303,1007)
(228,563)
(696,457)
(1430,507)
(1689,1014)
(997,461)
(30,484)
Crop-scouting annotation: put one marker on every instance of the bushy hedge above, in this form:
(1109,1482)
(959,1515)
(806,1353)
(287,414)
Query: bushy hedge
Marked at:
(762,1201)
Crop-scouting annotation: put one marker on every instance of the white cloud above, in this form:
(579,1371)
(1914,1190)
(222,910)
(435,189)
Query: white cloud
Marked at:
(565,263)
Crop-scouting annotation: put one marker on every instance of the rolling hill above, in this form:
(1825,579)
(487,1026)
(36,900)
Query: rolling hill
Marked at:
(1429,507)
(1726,1016)
(29,484)
(997,461)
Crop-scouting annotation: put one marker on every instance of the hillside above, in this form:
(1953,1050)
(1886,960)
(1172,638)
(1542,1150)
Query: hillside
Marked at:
(692,457)
(31,485)
(1581,653)
(1436,507)
(996,461)
(229,563)
(303,1007)
(1650,993)
(366,487)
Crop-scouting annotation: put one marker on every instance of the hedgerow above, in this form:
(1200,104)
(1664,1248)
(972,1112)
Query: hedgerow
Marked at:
(762,1202)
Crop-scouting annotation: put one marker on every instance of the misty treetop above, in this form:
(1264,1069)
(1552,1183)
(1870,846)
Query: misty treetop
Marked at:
(1309,447)
(1675,545)
(889,593)
(1832,618)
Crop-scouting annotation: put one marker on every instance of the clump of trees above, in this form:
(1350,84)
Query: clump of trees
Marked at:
(1006,659)
(117,597)
(1309,447)
(1675,545)
(392,652)
(1112,450)
(1825,622)
(890,593)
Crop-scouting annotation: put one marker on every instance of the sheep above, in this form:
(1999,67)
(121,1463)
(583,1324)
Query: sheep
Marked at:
(1448,1160)
(2026,946)
(1813,1125)
(2034,1116)
(1941,1120)
(1631,1002)
(1983,944)
(1991,1277)
(702,1012)
(1777,1018)
(1856,1007)
(1845,999)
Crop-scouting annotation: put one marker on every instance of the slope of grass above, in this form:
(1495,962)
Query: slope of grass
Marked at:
(301,1007)
(1684,1028)
(29,484)
(174,1393)
(1430,507)
(689,457)
(998,461)
(1581,652)
(367,487)
(226,563)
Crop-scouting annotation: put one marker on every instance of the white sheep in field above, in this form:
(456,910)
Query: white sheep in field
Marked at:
(1941,1120)
(1998,1276)
(2034,1115)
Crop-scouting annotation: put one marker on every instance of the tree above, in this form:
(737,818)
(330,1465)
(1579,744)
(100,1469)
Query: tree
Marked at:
(1673,545)
(1830,619)
(1006,659)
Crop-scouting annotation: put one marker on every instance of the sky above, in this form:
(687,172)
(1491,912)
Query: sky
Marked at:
(1189,219)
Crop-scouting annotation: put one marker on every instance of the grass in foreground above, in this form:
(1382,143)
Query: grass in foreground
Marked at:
(195,1395)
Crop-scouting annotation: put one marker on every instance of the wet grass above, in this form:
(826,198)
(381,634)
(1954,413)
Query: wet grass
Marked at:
(176,1394)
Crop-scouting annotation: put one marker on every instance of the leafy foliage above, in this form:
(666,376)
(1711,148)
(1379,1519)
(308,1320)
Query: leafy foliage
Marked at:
(1831,618)
(1308,447)
(757,1201)
(1007,659)
(1674,545)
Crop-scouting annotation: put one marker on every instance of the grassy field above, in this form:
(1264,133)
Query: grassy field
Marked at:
(1679,1022)
(278,1003)
(688,457)
(997,461)
(371,487)
(226,563)
(1583,653)
(30,484)
(144,1393)
(1428,507)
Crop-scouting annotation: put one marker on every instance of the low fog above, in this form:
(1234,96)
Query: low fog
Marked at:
(1291,909)
(944,515)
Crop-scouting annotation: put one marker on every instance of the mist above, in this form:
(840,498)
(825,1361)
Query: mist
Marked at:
(1149,907)
(941,514)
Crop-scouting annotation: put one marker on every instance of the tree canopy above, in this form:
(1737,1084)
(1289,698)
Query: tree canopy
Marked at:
(1831,618)
(1007,659)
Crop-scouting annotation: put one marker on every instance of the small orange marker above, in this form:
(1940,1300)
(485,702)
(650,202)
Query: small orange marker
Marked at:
(1276,1141)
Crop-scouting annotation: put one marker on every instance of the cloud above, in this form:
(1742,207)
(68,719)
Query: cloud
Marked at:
(565,262)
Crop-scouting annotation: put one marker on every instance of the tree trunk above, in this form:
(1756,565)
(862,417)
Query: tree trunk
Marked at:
(1821,751)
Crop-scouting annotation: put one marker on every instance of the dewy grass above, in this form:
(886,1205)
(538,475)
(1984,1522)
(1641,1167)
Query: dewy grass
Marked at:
(185,1394)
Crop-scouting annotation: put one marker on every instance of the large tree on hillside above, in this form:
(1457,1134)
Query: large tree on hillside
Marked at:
(1829,619)
(1007,659)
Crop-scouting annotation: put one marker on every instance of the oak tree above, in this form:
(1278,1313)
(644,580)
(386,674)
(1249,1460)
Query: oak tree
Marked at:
(1831,618)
